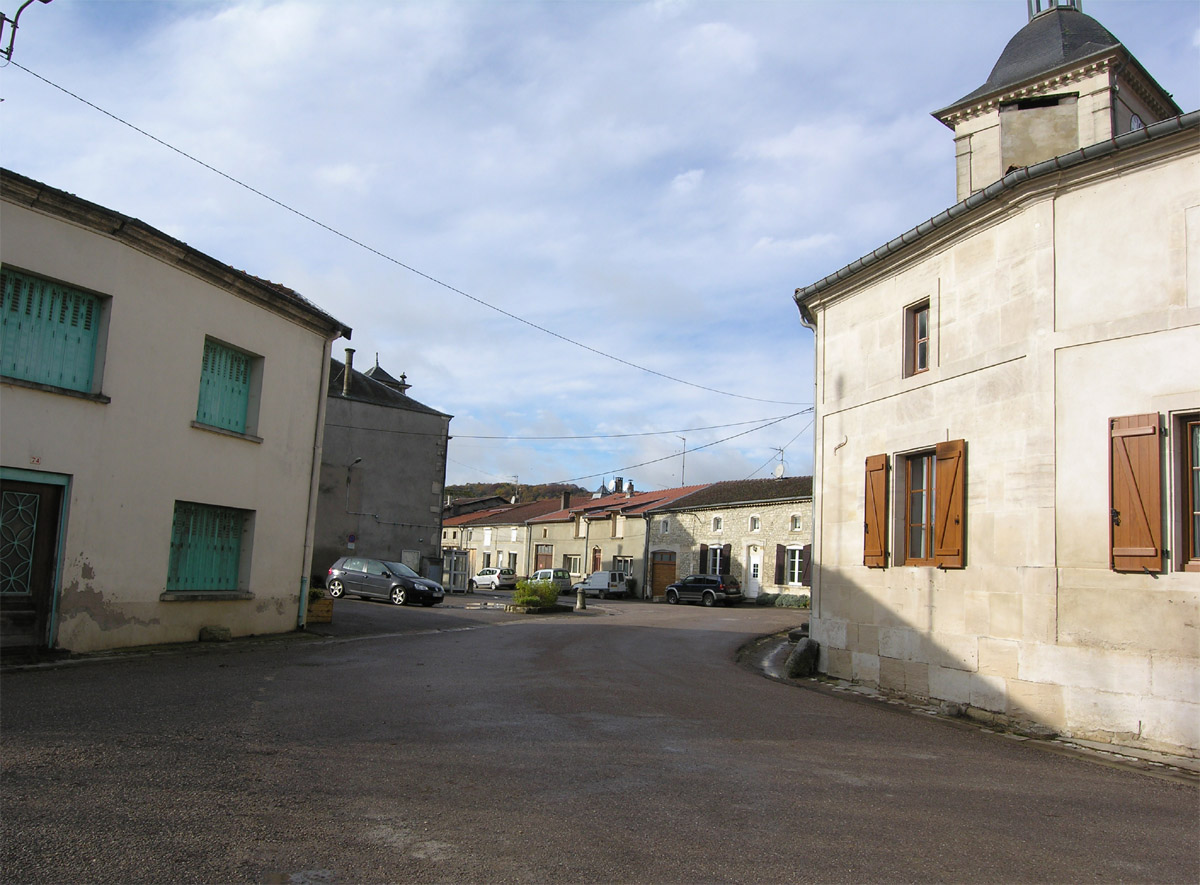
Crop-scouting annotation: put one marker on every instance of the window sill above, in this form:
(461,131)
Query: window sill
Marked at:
(221,431)
(50,388)
(205,595)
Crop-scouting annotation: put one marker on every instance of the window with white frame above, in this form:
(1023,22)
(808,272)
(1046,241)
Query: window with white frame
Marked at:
(755,524)
(623,564)
(794,572)
(487,537)
(797,522)
(573,563)
(718,563)
(512,537)
(664,527)
(717,525)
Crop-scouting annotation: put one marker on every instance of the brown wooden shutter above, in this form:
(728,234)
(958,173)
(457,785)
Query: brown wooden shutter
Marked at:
(875,513)
(780,563)
(726,559)
(1135,494)
(806,572)
(703,569)
(950,518)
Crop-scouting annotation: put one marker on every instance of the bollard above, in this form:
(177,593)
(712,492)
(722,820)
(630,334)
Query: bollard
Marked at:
(580,600)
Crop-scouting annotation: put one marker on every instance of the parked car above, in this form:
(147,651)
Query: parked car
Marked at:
(494,579)
(381,579)
(705,589)
(603,584)
(560,576)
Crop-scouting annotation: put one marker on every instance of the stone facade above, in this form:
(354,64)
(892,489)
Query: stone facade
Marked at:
(1041,328)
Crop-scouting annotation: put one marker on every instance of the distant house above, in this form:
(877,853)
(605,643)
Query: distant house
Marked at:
(1008,412)
(498,537)
(383,470)
(607,531)
(757,530)
(161,412)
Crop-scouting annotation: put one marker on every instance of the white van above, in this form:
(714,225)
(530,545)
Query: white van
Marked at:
(603,584)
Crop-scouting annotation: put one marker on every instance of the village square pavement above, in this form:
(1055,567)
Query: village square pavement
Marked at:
(624,744)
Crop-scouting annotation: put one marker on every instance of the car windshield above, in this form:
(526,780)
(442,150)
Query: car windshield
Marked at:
(399,568)
(507,571)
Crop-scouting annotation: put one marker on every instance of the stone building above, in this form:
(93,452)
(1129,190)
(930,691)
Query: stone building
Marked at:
(1008,412)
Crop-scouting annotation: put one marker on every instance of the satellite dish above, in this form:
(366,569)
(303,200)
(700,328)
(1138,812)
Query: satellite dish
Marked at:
(779,468)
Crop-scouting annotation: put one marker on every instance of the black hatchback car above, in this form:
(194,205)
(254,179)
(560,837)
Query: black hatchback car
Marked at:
(381,579)
(705,589)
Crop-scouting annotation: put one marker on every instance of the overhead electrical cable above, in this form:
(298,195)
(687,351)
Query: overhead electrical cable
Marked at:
(546,438)
(396,261)
(785,445)
(716,442)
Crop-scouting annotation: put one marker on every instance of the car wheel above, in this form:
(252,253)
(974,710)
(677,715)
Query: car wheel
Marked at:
(399,597)
(672,597)
(604,594)
(709,599)
(336,588)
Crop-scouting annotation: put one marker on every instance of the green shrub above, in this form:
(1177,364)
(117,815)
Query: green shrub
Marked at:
(539,593)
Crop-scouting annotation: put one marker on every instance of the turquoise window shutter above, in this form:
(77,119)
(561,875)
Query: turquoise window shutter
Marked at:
(206,547)
(224,388)
(48,332)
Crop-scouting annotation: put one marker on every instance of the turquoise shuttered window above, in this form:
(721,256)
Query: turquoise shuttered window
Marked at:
(224,387)
(206,547)
(48,332)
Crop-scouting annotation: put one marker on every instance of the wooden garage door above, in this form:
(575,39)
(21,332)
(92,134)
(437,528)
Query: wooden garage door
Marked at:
(662,571)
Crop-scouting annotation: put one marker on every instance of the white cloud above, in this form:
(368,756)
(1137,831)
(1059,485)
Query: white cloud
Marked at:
(652,180)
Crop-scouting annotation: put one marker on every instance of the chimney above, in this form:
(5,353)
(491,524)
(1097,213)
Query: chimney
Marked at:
(629,489)
(348,375)
(566,500)
(619,484)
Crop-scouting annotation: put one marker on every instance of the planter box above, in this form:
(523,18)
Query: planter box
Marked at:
(320,611)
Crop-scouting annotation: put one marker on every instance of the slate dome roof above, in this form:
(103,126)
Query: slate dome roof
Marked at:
(1052,39)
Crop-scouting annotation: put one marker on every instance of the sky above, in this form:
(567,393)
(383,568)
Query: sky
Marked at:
(577,227)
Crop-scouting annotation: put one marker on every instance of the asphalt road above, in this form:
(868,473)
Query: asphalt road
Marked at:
(463,745)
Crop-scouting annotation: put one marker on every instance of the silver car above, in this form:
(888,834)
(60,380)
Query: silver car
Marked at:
(494,579)
(560,577)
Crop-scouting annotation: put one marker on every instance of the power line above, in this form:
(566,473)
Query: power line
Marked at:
(788,443)
(396,261)
(550,438)
(696,449)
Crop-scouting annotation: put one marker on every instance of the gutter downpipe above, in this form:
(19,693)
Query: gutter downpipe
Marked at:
(649,521)
(310,526)
(809,321)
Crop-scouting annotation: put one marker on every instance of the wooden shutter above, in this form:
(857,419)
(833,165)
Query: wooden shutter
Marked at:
(875,513)
(726,559)
(780,563)
(806,573)
(703,569)
(1135,494)
(950,516)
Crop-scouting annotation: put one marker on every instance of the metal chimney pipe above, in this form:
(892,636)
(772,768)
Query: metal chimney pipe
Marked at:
(348,375)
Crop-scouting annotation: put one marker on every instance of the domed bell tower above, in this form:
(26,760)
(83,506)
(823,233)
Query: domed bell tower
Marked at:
(1063,82)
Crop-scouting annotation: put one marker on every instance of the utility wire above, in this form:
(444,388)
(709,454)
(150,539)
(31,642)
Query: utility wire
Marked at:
(544,438)
(396,261)
(785,445)
(696,449)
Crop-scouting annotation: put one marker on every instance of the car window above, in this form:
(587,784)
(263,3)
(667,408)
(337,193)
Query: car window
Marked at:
(375,567)
(354,565)
(399,568)
(561,573)
(507,571)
